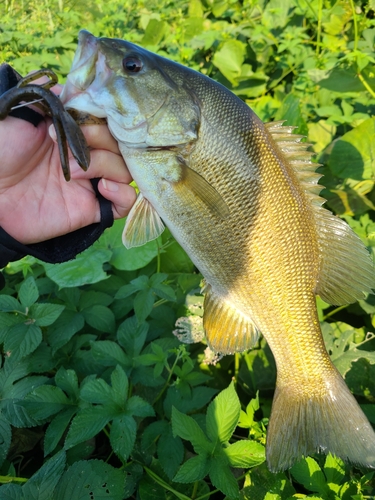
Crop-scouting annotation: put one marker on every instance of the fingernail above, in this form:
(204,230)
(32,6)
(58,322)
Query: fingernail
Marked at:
(110,185)
(52,133)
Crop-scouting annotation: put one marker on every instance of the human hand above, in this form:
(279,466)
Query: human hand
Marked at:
(36,202)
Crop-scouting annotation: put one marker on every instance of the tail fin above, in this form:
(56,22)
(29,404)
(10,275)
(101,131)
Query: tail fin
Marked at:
(328,421)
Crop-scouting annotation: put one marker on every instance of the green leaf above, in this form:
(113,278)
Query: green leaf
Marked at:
(5,438)
(222,478)
(223,415)
(143,304)
(67,380)
(194,469)
(353,155)
(22,339)
(109,353)
(10,304)
(334,469)
(28,292)
(139,407)
(57,428)
(44,401)
(63,329)
(308,473)
(91,480)
(122,436)
(134,258)
(11,492)
(85,269)
(120,386)
(100,317)
(97,391)
(45,314)
(154,33)
(344,80)
(87,424)
(170,452)
(229,59)
(188,429)
(42,484)
(132,336)
(245,454)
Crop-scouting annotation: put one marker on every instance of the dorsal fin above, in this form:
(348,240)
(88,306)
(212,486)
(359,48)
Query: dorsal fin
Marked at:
(347,272)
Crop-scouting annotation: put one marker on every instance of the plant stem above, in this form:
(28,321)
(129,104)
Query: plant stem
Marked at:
(319,31)
(355,25)
(171,371)
(10,479)
(338,309)
(365,84)
(165,485)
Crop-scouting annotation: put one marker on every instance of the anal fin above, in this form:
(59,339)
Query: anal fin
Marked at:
(227,329)
(143,224)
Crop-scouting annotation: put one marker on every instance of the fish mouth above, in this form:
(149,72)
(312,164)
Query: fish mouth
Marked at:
(89,73)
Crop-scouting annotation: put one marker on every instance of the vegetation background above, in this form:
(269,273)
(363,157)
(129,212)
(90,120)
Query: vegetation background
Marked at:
(98,398)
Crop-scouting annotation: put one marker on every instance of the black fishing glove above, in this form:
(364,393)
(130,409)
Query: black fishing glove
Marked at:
(61,248)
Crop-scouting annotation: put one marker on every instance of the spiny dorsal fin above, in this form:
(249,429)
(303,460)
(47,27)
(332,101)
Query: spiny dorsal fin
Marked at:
(227,329)
(346,270)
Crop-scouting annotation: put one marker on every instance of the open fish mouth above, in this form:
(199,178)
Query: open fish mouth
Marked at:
(88,74)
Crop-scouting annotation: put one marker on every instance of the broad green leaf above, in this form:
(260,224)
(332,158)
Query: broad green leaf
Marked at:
(109,353)
(353,155)
(56,429)
(97,391)
(9,304)
(139,407)
(143,304)
(44,401)
(222,478)
(308,473)
(5,438)
(28,292)
(22,339)
(91,480)
(223,415)
(200,396)
(122,436)
(11,492)
(132,336)
(134,258)
(188,429)
(290,111)
(63,329)
(229,59)
(334,469)
(154,33)
(259,482)
(170,452)
(345,80)
(42,484)
(45,314)
(87,424)
(67,380)
(245,454)
(100,317)
(194,469)
(85,269)
(120,385)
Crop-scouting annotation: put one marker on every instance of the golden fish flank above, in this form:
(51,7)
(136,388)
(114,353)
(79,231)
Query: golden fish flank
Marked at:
(241,197)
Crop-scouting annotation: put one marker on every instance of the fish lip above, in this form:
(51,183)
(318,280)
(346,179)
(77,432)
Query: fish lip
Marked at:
(83,70)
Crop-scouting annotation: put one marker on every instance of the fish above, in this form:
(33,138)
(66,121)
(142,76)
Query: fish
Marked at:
(242,197)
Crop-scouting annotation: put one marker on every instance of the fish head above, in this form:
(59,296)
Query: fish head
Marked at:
(141,94)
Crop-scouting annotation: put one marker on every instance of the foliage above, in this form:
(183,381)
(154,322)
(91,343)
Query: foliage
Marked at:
(98,398)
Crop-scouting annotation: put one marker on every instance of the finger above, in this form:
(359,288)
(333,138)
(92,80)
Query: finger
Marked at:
(103,164)
(99,137)
(122,196)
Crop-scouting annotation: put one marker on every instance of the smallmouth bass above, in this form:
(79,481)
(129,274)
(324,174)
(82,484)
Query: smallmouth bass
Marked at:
(242,198)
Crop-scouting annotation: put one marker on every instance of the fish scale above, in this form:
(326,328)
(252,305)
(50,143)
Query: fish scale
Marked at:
(242,198)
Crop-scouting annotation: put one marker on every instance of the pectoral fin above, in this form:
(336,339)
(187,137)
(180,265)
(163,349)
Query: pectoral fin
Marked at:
(192,182)
(143,224)
(227,329)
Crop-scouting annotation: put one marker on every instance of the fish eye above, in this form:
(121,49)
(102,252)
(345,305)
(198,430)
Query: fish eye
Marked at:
(132,64)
